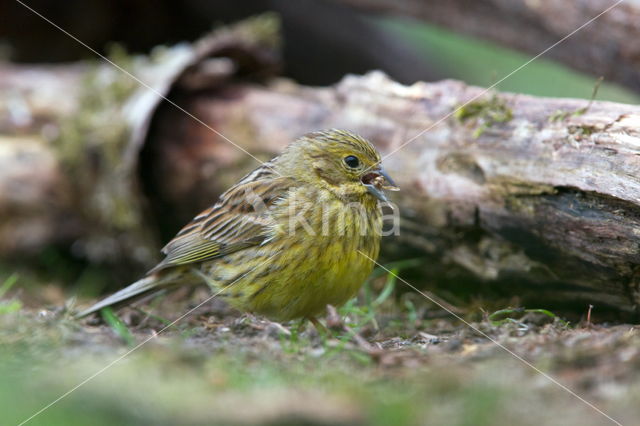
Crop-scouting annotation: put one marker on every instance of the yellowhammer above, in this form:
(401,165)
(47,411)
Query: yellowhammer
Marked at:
(285,241)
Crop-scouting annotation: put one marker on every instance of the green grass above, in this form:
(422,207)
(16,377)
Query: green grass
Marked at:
(377,298)
(165,385)
(483,63)
(119,327)
(237,373)
(511,315)
(12,305)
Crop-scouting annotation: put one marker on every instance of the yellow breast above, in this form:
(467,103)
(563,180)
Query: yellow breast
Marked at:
(312,259)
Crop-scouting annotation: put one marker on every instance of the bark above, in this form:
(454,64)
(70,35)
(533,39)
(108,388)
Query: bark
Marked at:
(36,210)
(505,193)
(606,47)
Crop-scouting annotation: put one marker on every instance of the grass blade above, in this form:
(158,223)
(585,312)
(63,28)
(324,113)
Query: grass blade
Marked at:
(117,326)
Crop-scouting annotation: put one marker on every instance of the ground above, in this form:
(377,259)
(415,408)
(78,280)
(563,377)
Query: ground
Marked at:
(388,357)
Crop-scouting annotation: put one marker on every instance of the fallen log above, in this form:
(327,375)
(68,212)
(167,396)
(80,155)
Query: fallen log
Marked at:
(535,197)
(506,193)
(70,138)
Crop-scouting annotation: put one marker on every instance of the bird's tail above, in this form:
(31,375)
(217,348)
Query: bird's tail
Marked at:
(143,286)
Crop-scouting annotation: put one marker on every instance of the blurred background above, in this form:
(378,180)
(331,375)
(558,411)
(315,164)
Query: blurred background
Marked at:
(323,40)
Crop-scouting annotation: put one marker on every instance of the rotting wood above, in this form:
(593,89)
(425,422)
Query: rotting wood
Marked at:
(533,205)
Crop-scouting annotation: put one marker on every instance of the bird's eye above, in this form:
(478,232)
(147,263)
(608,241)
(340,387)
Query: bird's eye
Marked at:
(352,161)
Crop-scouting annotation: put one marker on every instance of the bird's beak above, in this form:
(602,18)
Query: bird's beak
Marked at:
(374,181)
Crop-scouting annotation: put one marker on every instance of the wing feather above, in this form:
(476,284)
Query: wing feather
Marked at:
(241,218)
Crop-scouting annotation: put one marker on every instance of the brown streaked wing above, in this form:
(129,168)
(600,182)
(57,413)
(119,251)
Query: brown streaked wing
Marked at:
(238,220)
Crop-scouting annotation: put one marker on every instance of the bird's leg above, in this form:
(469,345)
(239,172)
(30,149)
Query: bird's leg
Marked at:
(319,326)
(300,326)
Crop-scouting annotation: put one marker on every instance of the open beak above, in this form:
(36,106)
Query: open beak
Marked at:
(376,181)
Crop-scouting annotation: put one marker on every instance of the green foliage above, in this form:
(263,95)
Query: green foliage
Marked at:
(119,327)
(360,312)
(8,283)
(560,115)
(481,63)
(246,374)
(509,315)
(10,305)
(92,147)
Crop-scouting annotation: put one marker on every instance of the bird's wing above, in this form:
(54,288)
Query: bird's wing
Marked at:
(241,218)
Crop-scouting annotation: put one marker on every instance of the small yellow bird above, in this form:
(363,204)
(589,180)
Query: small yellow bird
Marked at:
(289,238)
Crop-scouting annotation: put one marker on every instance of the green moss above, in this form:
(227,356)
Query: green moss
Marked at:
(560,115)
(510,187)
(583,129)
(263,29)
(92,142)
(484,112)
(92,147)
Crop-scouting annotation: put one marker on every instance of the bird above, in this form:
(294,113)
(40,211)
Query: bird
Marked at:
(298,233)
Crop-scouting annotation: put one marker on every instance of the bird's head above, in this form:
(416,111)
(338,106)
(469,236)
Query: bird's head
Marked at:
(344,163)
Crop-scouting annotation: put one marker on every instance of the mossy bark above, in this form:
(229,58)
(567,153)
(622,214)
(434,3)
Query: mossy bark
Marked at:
(71,136)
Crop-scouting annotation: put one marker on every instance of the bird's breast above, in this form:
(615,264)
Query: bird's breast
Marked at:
(321,255)
(318,251)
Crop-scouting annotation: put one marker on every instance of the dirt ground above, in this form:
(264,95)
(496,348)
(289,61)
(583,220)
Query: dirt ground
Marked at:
(383,360)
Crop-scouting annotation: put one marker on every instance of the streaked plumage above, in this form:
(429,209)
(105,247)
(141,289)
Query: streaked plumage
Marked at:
(273,264)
